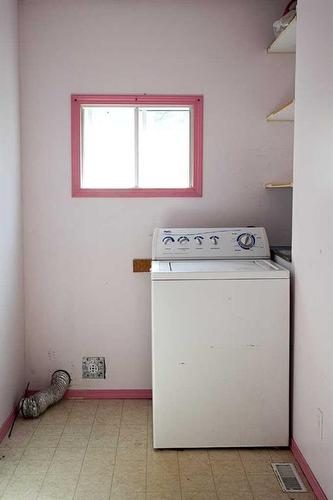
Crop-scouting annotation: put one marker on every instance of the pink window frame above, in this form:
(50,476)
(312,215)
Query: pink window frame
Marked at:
(195,101)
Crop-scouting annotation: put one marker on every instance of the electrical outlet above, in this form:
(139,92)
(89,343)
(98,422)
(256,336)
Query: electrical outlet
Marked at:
(320,423)
(93,367)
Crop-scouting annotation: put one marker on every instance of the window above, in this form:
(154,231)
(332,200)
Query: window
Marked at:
(138,145)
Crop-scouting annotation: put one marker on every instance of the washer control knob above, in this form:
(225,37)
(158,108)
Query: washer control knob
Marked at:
(246,241)
(183,239)
(168,239)
(214,239)
(199,239)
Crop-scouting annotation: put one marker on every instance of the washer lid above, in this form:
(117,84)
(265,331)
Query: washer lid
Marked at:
(216,270)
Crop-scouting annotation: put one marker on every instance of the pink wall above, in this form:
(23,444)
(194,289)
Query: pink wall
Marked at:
(313,239)
(11,302)
(81,295)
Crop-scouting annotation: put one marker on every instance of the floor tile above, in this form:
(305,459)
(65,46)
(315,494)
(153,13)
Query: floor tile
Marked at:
(12,455)
(163,476)
(105,428)
(6,472)
(254,455)
(99,461)
(102,446)
(104,417)
(19,439)
(7,469)
(43,441)
(193,455)
(24,487)
(55,416)
(194,465)
(124,493)
(159,456)
(38,453)
(137,453)
(256,461)
(83,430)
(32,466)
(199,495)
(108,414)
(102,442)
(227,469)
(70,441)
(93,487)
(4,481)
(116,404)
(265,486)
(135,410)
(233,487)
(130,475)
(281,456)
(302,496)
(87,407)
(58,486)
(49,430)
(132,442)
(135,404)
(223,455)
(196,478)
(258,466)
(100,439)
(80,420)
(135,418)
(26,424)
(163,495)
(137,424)
(67,461)
(234,495)
(65,403)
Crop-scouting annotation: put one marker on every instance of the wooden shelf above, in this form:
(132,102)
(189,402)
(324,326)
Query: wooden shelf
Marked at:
(284,113)
(281,185)
(285,43)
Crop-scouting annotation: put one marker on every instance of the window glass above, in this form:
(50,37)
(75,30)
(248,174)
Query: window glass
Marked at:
(164,148)
(108,147)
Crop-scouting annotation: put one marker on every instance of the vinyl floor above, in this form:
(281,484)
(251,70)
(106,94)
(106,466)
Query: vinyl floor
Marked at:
(99,450)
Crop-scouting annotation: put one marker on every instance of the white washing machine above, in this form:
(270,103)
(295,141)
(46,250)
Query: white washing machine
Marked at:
(220,340)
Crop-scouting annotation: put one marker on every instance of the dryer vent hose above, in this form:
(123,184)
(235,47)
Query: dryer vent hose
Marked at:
(35,405)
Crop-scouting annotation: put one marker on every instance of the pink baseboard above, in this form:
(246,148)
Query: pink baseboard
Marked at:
(106,394)
(6,425)
(109,393)
(317,490)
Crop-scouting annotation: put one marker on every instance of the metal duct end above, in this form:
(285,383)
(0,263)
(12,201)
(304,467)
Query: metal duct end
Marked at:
(33,406)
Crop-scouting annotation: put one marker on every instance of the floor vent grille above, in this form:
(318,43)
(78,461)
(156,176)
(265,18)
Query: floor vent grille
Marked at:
(288,477)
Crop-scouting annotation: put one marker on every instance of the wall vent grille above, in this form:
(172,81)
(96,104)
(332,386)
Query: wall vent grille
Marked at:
(288,477)
(93,367)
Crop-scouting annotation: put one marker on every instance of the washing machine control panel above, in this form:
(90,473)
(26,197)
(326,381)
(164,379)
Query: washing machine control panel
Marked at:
(210,243)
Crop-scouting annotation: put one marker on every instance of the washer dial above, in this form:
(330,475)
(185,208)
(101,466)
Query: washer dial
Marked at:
(199,239)
(214,239)
(183,240)
(246,241)
(168,239)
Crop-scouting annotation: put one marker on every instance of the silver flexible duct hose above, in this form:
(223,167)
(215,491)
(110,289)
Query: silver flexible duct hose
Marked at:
(35,405)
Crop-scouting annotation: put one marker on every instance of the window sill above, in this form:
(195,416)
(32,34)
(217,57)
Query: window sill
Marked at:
(137,193)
